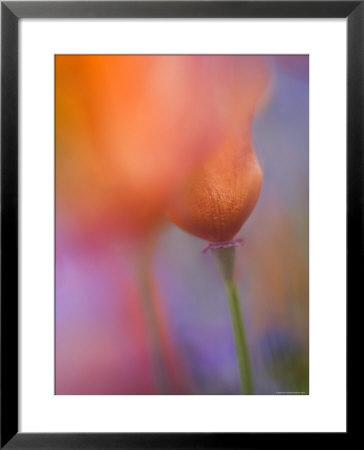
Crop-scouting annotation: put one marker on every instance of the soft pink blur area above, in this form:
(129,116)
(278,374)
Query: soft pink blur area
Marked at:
(100,338)
(139,308)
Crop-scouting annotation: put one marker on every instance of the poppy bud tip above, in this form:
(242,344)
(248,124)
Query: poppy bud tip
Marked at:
(233,243)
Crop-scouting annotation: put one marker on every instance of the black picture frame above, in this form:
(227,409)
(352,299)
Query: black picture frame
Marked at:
(11,12)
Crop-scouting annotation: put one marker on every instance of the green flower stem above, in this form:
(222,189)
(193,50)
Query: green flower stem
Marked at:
(225,258)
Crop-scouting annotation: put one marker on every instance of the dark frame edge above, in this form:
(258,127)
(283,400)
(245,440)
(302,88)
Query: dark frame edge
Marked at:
(355,164)
(9,224)
(165,441)
(183,9)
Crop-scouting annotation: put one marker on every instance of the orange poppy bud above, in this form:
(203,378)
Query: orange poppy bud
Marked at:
(219,196)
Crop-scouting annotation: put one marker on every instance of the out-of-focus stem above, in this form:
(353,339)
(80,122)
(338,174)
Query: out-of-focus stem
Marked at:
(158,359)
(226,261)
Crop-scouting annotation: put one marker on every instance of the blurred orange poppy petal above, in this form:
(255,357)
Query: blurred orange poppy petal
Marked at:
(128,130)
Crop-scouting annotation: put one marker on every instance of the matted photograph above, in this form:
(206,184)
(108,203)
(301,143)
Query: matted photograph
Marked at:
(181,206)
(182,218)
(182,224)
